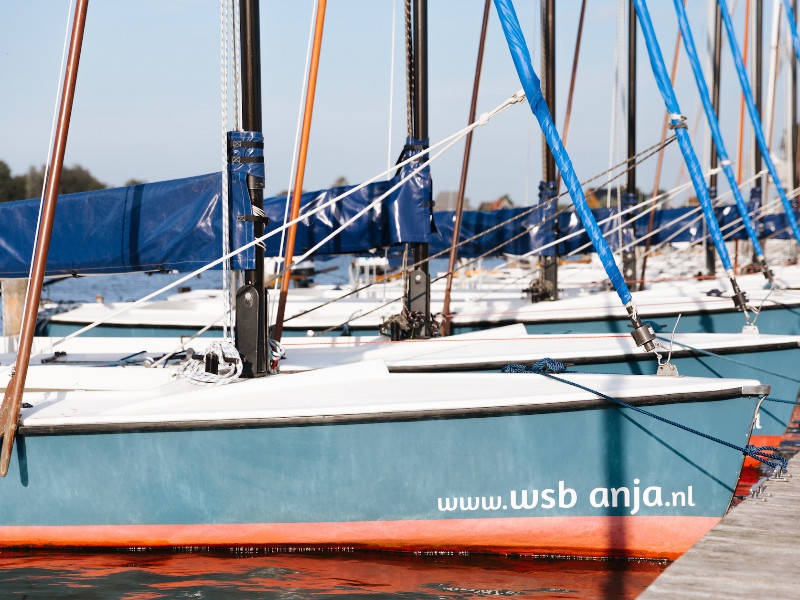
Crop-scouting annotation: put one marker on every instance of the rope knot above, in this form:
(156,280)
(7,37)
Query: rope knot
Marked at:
(767,455)
(483,119)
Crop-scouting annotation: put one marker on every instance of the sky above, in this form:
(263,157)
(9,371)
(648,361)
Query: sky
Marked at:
(148,93)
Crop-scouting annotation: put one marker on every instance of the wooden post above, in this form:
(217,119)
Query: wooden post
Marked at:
(13,301)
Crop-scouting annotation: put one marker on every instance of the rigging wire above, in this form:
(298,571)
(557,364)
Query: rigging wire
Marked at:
(482,120)
(649,152)
(51,141)
(298,126)
(225,29)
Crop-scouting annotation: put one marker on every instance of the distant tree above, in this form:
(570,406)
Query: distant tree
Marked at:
(284,193)
(11,188)
(73,179)
(339,181)
(134,182)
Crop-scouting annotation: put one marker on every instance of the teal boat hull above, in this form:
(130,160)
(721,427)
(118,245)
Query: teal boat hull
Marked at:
(592,481)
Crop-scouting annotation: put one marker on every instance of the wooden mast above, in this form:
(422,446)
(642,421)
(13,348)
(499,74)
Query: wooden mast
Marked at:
(451,265)
(12,401)
(308,111)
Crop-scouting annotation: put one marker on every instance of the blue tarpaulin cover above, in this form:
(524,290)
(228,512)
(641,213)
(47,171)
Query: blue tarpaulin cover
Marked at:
(404,215)
(176,224)
(531,231)
(166,225)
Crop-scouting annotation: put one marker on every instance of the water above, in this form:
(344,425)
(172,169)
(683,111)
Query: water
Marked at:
(371,576)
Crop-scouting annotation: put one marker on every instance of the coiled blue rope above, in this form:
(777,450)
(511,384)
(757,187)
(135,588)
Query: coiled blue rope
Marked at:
(547,366)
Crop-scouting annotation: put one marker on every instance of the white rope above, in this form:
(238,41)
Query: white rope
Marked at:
(761,212)
(300,104)
(51,141)
(225,25)
(695,210)
(514,99)
(659,200)
(391,86)
(230,365)
(693,221)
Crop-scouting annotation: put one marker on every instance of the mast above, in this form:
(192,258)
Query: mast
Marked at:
(572,79)
(300,169)
(711,259)
(630,197)
(548,265)
(251,298)
(755,191)
(462,184)
(791,155)
(418,281)
(12,401)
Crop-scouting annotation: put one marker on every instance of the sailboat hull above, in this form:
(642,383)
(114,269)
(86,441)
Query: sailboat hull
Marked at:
(587,481)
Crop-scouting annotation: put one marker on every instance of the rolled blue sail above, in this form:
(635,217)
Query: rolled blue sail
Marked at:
(792,27)
(530,83)
(713,124)
(754,116)
(676,120)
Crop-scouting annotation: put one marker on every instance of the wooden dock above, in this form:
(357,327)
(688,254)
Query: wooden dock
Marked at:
(752,553)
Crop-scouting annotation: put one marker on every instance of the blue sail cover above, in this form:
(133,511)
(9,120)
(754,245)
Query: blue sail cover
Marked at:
(166,225)
(176,224)
(404,215)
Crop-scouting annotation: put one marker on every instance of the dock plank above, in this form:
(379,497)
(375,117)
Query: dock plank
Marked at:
(752,553)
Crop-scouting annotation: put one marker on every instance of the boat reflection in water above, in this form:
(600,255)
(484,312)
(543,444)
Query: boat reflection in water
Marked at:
(317,575)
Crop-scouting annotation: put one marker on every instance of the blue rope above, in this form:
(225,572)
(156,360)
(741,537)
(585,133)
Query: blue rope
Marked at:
(689,157)
(741,72)
(713,124)
(764,454)
(520,54)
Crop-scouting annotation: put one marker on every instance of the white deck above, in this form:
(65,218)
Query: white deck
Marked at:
(360,389)
(198,308)
(479,349)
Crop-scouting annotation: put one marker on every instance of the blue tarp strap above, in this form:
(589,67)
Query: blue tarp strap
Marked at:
(792,27)
(245,158)
(713,123)
(754,117)
(677,123)
(530,83)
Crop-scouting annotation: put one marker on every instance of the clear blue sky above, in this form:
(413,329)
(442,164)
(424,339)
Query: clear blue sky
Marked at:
(148,105)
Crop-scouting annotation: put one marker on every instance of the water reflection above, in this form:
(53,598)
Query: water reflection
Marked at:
(210,576)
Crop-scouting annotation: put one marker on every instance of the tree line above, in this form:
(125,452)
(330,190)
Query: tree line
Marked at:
(29,185)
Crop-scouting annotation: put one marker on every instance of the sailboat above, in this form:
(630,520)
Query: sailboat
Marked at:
(209,453)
